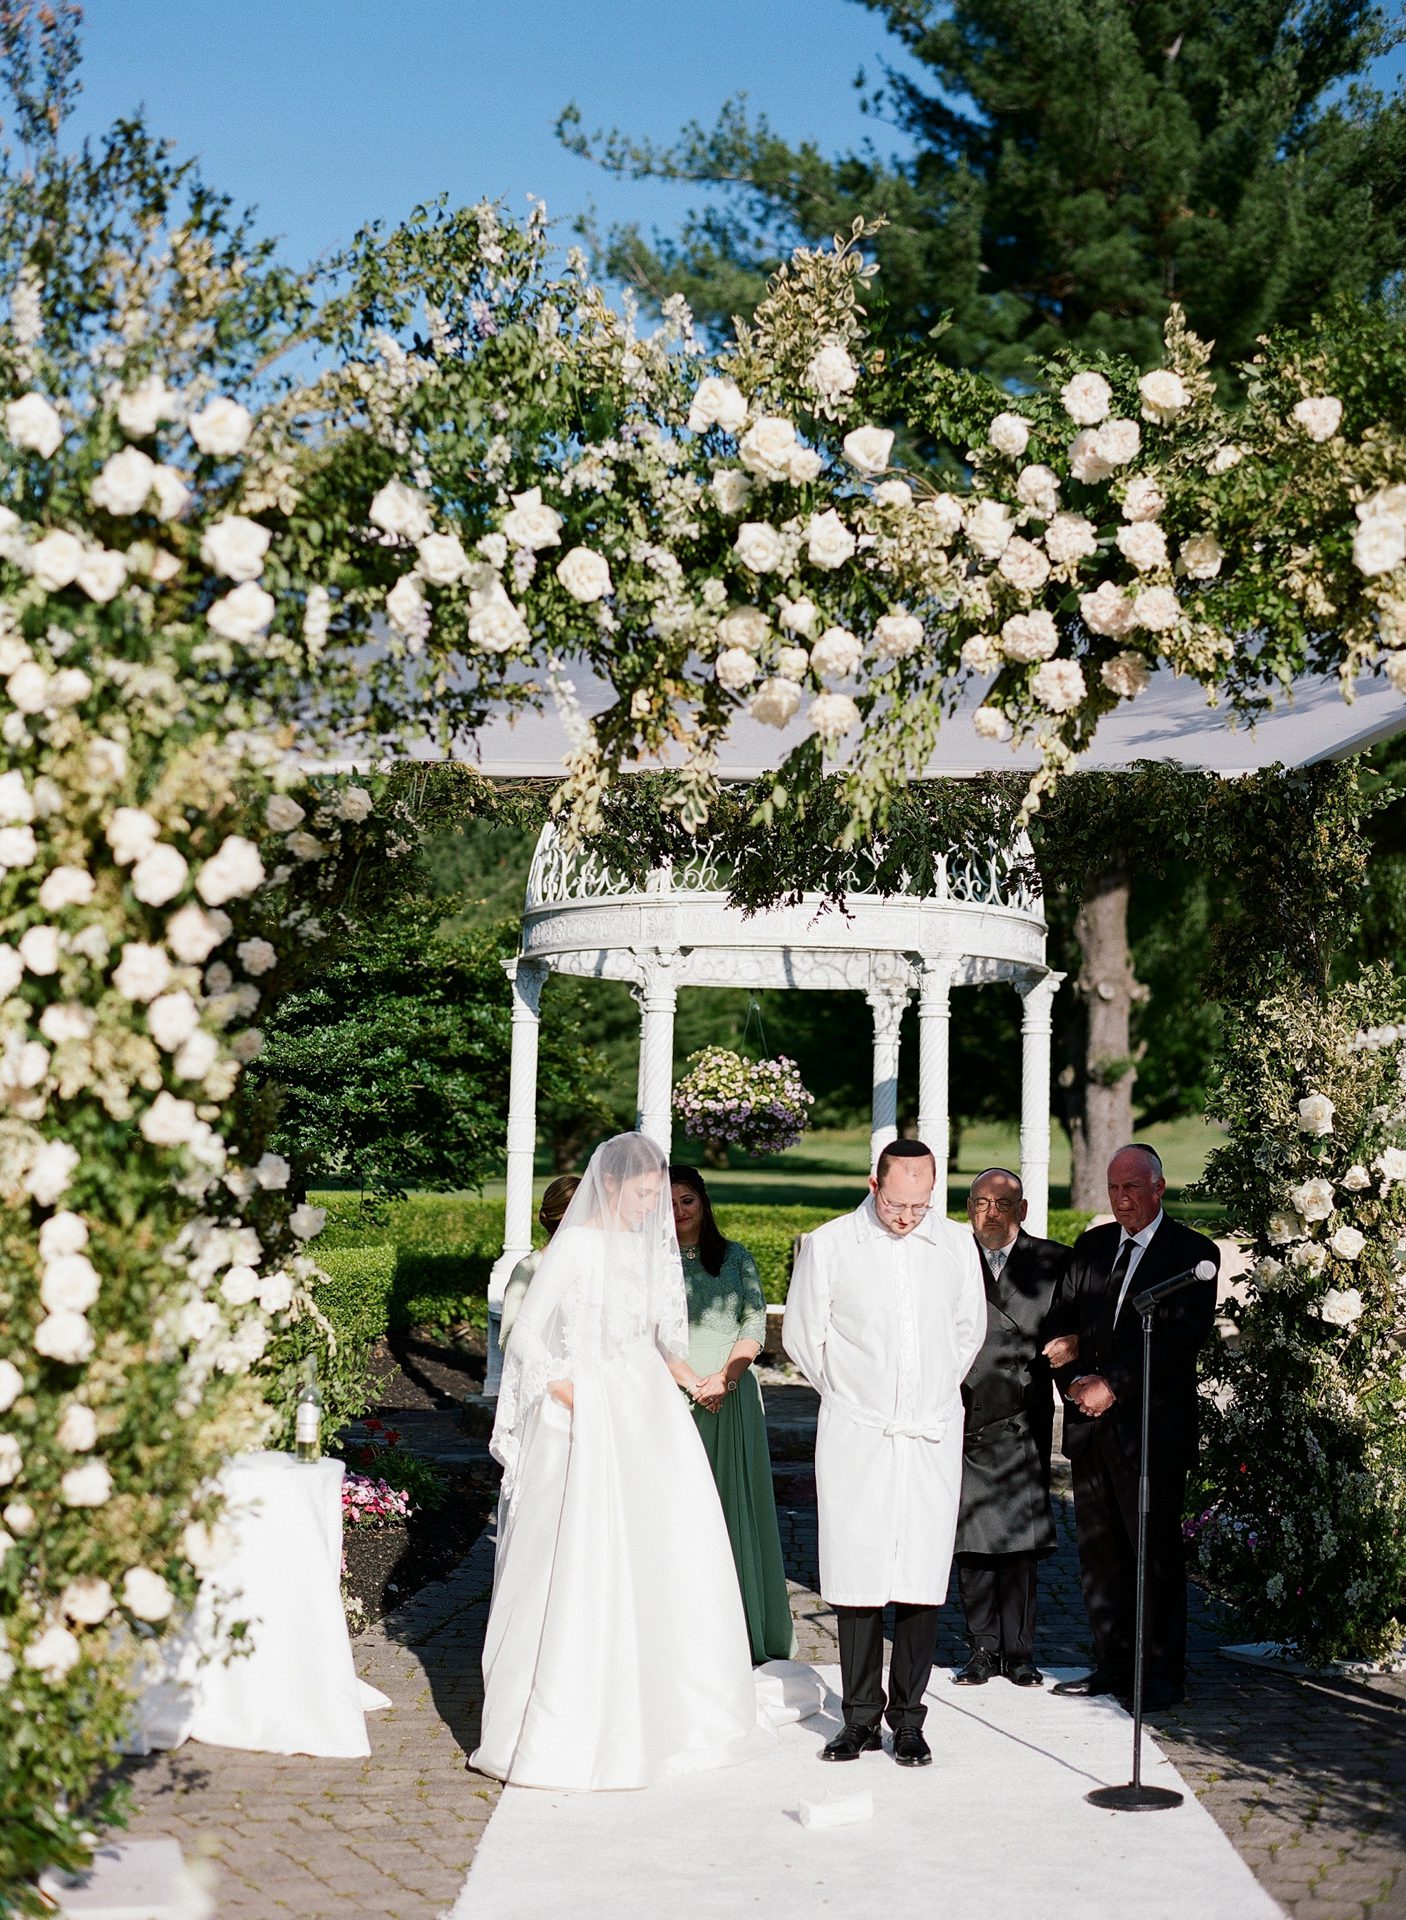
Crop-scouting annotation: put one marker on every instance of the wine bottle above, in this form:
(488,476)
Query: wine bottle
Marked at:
(307,1416)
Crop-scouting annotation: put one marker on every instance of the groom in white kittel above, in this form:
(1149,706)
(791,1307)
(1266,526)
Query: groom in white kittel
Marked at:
(885,1314)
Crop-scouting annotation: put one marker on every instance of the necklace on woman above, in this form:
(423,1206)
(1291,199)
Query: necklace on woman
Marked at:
(689,1253)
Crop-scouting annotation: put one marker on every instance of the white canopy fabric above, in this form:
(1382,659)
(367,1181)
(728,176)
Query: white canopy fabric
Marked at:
(1169,721)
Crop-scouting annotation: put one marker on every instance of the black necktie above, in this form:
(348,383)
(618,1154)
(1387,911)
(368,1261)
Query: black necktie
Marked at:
(1108,1319)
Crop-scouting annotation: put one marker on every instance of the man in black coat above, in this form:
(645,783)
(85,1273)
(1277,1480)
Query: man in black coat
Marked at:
(1004,1526)
(1103,1424)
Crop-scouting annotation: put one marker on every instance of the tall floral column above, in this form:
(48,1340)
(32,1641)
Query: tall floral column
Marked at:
(887,999)
(934,1030)
(657,995)
(1037,994)
(528,977)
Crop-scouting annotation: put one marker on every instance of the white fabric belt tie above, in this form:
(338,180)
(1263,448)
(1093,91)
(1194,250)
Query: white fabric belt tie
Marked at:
(899,1429)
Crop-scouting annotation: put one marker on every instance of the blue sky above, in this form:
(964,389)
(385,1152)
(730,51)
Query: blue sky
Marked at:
(328,112)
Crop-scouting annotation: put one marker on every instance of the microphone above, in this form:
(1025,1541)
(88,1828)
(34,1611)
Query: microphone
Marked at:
(1162,1289)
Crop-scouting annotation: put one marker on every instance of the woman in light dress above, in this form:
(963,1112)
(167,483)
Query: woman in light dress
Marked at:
(616,1649)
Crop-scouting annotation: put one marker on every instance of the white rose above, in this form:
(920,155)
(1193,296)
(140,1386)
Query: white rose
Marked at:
(66,887)
(1356,1180)
(171,496)
(77,1431)
(1038,489)
(868,448)
(442,559)
(1117,442)
(193,934)
(169,1122)
(1143,544)
(982,653)
(745,627)
(146,1595)
(62,1233)
(735,668)
(102,574)
(235,547)
(54,561)
(306,846)
(532,525)
(204,1546)
(896,635)
(233,873)
(221,428)
(1086,463)
(1126,674)
(239,1286)
(775,702)
(159,875)
(51,1171)
(1059,685)
(20,1518)
(33,424)
(1313,1199)
(70,1283)
(142,408)
(805,466)
(124,485)
(276,1292)
(1319,416)
(829,542)
(1378,545)
(65,1337)
(1026,637)
(39,950)
(831,373)
(172,1019)
(256,956)
(494,548)
(11,970)
(1347,1243)
(16,801)
(243,615)
(197,1056)
(130,833)
(945,511)
(1144,499)
(799,616)
(107,760)
(1390,1163)
(143,971)
(28,687)
(1164,395)
(832,715)
(282,813)
(1009,434)
(1224,458)
(585,575)
(272,1172)
(894,493)
(69,687)
(354,804)
(991,724)
(792,663)
(24,1064)
(989,528)
(307,1222)
(1316,1113)
(496,625)
(732,490)
(1024,566)
(1087,398)
(1201,557)
(759,546)
(11,1459)
(767,447)
(18,847)
(11,1384)
(1157,609)
(717,403)
(87,1600)
(836,654)
(54,1654)
(1340,1307)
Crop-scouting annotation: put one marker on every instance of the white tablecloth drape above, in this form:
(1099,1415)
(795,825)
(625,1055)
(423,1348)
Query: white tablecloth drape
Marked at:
(291,1688)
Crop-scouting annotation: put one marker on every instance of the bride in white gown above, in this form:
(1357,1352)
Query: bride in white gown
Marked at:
(616,1649)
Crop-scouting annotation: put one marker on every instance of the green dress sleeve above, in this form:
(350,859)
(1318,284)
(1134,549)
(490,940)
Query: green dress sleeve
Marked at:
(751,1307)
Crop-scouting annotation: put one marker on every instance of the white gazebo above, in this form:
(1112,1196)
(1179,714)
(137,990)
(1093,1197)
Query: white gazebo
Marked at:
(983,923)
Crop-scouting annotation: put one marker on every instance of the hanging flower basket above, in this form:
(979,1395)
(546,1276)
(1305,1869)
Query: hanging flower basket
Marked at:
(758,1105)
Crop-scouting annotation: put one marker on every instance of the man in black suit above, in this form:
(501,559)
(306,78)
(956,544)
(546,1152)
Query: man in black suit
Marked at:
(1103,1424)
(1004,1526)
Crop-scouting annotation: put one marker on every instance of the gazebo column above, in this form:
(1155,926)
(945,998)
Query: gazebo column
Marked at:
(887,998)
(657,994)
(934,1029)
(1036,995)
(528,978)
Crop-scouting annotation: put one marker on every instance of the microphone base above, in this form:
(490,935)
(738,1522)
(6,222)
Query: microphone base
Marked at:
(1133,1799)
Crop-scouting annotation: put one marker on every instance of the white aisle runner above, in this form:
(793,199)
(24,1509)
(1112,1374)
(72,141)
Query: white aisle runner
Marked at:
(996,1829)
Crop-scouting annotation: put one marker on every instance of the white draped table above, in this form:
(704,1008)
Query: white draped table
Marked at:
(291,1686)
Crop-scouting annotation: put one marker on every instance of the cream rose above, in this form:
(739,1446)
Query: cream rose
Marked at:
(1319,416)
(832,715)
(124,485)
(831,372)
(55,559)
(717,402)
(77,1431)
(65,1337)
(1070,538)
(1024,565)
(767,447)
(1201,557)
(235,547)
(146,1595)
(1037,488)
(585,575)
(991,724)
(868,448)
(1316,1112)
(221,428)
(1340,1307)
(1059,685)
(231,874)
(1086,463)
(732,490)
(1087,398)
(33,425)
(86,1601)
(896,635)
(745,627)
(142,408)
(1009,434)
(1126,674)
(759,546)
(829,542)
(66,887)
(242,616)
(1157,609)
(1144,499)
(835,654)
(1107,611)
(775,702)
(1313,1199)
(441,559)
(1164,395)
(735,668)
(989,528)
(159,875)
(1027,637)
(532,525)
(1143,544)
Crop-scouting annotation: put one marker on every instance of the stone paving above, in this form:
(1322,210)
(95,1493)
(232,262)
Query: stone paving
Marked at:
(1307,1777)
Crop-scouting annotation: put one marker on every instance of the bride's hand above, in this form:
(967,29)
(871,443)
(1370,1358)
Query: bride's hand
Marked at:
(562,1390)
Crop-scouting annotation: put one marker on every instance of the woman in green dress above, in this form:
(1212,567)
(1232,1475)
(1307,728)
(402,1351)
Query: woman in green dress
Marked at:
(726,1327)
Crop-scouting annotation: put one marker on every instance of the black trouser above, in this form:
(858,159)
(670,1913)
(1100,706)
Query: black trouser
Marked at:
(1105,1521)
(862,1664)
(998,1602)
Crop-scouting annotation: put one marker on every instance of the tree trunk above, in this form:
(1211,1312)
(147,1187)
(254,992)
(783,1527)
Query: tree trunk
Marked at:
(1098,1081)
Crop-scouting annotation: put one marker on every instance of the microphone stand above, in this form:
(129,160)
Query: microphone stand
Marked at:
(1134,1797)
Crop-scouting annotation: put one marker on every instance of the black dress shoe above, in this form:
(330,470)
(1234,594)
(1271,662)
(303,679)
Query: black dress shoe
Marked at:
(910,1749)
(978,1670)
(1158,1695)
(851,1741)
(1088,1685)
(1023,1673)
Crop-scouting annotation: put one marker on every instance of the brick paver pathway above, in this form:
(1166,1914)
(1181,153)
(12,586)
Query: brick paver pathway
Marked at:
(1306,1777)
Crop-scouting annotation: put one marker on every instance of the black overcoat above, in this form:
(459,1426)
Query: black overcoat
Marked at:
(1086,1306)
(1009,1403)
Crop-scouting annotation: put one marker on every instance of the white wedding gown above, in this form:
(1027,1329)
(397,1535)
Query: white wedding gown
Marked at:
(616,1649)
